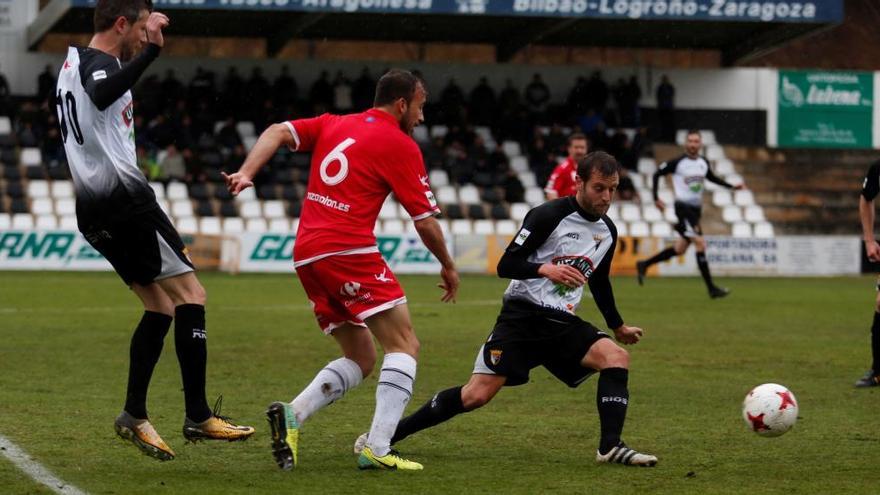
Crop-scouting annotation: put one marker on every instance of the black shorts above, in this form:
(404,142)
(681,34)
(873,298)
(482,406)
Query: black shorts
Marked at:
(688,225)
(142,249)
(527,336)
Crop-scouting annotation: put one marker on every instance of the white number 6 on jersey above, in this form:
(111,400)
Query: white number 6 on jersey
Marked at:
(336,155)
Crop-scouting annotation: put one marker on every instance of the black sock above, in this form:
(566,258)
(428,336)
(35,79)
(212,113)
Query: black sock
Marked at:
(442,407)
(664,255)
(875,344)
(704,270)
(190,338)
(612,398)
(146,346)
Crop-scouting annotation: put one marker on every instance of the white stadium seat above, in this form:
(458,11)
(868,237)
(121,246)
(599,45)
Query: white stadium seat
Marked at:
(31,157)
(505,227)
(42,206)
(519,164)
(527,179)
(176,191)
(731,214)
(446,195)
(249,194)
(182,208)
(637,180)
(5,221)
(613,212)
(402,213)
(274,208)
(5,125)
(724,167)
(667,197)
(438,178)
(67,222)
(469,194)
(280,225)
(764,230)
(187,225)
(389,210)
(210,226)
(62,189)
(734,179)
(681,136)
(534,196)
(715,152)
(251,209)
(518,211)
(708,136)
(246,129)
(444,225)
(630,213)
(484,227)
(421,134)
(669,214)
(647,166)
(38,189)
(744,197)
(159,189)
(511,148)
(22,221)
(294,224)
(256,225)
(622,229)
(741,229)
(438,131)
(47,222)
(639,229)
(249,142)
(721,198)
(754,214)
(163,205)
(661,229)
(233,225)
(651,213)
(460,227)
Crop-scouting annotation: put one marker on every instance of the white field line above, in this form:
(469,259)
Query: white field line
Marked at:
(35,470)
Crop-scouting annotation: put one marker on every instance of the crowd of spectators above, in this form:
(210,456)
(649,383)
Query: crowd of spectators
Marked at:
(188,130)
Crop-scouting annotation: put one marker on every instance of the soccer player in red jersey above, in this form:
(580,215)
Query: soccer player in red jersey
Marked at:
(562,181)
(357,160)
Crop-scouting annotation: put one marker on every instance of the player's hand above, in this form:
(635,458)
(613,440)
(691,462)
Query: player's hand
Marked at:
(450,283)
(872,249)
(660,204)
(739,187)
(628,335)
(155,24)
(566,275)
(237,182)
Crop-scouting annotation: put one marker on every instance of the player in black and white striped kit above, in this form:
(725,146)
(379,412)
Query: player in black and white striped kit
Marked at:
(689,172)
(870,190)
(118,214)
(562,245)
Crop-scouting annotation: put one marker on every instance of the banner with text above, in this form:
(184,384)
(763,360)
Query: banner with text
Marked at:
(825,109)
(815,11)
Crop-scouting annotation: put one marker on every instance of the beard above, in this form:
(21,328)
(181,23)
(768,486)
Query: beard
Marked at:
(127,51)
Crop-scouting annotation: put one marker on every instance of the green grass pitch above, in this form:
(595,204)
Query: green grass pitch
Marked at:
(64,356)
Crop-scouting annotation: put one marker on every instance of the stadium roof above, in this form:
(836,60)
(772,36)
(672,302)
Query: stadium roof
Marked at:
(737,28)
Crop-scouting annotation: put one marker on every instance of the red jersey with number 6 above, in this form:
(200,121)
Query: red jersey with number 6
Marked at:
(357,160)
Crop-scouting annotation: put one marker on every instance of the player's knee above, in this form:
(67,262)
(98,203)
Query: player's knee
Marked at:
(616,357)
(366,361)
(700,243)
(475,397)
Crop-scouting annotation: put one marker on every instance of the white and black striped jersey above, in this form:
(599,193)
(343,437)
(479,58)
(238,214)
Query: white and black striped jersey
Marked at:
(94,105)
(688,175)
(561,232)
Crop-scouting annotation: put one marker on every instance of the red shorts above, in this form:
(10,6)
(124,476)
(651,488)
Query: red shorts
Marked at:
(349,289)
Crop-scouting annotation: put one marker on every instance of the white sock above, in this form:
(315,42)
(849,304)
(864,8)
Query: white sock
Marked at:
(392,395)
(329,385)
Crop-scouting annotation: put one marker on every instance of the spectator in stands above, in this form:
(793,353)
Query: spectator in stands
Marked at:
(435,154)
(172,89)
(51,147)
(161,132)
(562,181)
(557,139)
(590,121)
(27,136)
(537,96)
(149,97)
(482,103)
(597,92)
(321,94)
(233,85)
(202,86)
(509,98)
(342,102)
(172,164)
(363,90)
(285,87)
(666,109)
(228,137)
(462,165)
(626,189)
(147,164)
(630,113)
(4,87)
(45,84)
(514,191)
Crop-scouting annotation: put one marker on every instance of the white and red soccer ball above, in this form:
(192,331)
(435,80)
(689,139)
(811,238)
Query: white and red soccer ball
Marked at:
(770,410)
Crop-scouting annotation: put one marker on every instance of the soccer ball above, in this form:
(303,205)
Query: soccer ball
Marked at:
(770,410)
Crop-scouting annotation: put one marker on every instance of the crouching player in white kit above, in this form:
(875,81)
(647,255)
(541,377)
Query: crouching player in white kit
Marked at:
(561,245)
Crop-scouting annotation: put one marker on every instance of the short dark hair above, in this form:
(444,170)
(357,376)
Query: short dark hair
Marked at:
(107,11)
(396,84)
(599,161)
(578,136)
(695,131)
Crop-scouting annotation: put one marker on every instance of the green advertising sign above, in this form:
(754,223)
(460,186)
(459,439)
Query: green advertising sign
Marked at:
(825,109)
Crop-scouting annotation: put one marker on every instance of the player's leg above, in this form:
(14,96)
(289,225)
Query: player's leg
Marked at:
(703,264)
(872,377)
(393,329)
(612,399)
(670,252)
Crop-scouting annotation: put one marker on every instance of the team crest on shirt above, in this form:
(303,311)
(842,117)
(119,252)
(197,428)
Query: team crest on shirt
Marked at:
(495,356)
(522,236)
(349,289)
(128,114)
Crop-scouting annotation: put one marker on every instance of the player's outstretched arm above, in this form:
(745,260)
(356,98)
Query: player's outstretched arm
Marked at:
(432,236)
(270,140)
